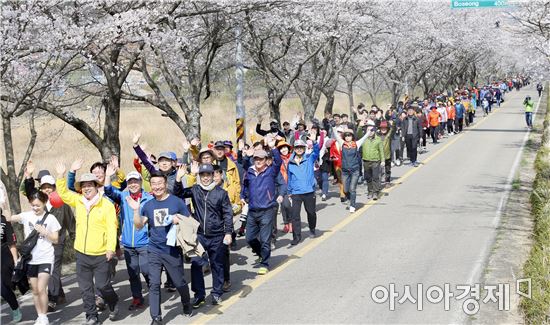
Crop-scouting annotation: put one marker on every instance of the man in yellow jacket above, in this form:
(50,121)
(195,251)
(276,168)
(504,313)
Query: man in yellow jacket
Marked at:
(95,241)
(232,180)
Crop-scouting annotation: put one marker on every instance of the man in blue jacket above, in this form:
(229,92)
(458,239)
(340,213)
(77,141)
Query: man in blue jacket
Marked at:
(134,240)
(459,119)
(259,191)
(301,187)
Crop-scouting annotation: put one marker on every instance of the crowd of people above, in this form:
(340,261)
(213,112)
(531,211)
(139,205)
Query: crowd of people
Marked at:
(194,208)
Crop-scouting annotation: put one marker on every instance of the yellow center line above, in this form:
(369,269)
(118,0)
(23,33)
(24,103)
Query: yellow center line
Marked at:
(248,288)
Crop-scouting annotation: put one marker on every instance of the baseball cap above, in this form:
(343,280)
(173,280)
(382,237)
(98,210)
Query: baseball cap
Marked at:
(42,173)
(168,154)
(299,143)
(219,144)
(370,123)
(47,179)
(206,168)
(133,175)
(228,143)
(260,154)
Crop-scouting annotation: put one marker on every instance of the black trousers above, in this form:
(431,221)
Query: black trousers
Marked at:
(7,289)
(412,144)
(308,199)
(88,268)
(55,288)
(459,124)
(387,170)
(434,133)
(450,125)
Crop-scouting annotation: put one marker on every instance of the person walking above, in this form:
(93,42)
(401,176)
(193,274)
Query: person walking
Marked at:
(301,186)
(65,218)
(258,192)
(451,115)
(41,263)
(95,241)
(351,164)
(160,215)
(213,210)
(434,118)
(133,240)
(373,155)
(540,88)
(9,257)
(411,131)
(529,105)
(460,114)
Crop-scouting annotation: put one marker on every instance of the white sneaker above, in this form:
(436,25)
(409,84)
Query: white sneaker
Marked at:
(42,321)
(351,209)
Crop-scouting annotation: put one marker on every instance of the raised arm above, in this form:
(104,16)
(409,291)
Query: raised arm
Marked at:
(70,198)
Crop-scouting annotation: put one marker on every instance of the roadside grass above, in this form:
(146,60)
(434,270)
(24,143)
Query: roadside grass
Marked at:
(537,308)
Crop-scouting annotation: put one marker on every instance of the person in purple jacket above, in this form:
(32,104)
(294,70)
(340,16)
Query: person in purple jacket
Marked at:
(259,192)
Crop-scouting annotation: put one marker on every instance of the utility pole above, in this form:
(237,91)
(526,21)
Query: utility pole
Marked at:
(239,76)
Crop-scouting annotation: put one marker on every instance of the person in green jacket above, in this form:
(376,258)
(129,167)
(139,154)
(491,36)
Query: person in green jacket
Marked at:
(387,130)
(529,105)
(372,154)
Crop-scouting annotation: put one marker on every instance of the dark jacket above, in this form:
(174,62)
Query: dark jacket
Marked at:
(263,133)
(416,130)
(212,208)
(63,214)
(260,190)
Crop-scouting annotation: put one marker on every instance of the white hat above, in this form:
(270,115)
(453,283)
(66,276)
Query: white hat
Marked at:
(47,179)
(133,175)
(370,123)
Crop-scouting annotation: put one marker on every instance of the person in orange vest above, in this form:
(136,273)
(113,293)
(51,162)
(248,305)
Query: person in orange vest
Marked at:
(451,115)
(433,118)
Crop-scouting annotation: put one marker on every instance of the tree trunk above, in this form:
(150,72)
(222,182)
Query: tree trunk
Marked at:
(193,129)
(395,94)
(111,139)
(10,178)
(351,101)
(329,105)
(274,104)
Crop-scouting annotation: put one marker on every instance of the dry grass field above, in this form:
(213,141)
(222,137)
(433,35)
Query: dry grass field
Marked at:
(58,141)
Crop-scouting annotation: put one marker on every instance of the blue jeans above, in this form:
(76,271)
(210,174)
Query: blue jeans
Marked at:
(259,226)
(136,262)
(324,182)
(174,267)
(529,118)
(216,253)
(350,179)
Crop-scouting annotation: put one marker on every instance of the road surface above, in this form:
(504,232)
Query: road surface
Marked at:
(436,226)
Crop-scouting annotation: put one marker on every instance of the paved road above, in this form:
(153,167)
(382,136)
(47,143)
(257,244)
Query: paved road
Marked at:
(435,226)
